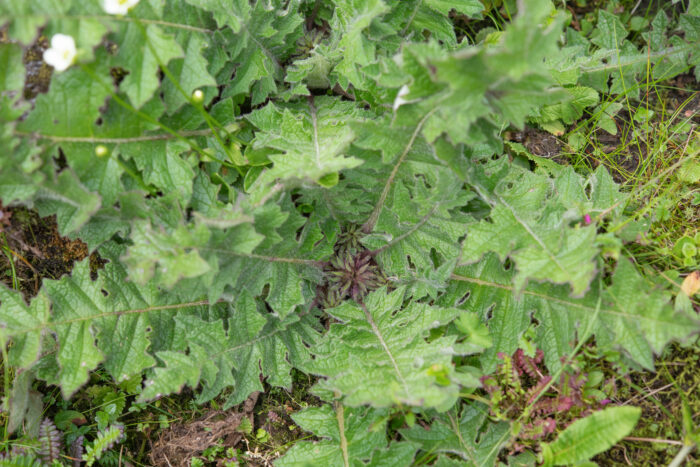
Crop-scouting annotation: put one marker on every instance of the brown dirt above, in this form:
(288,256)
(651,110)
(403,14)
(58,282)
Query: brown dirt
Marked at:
(269,411)
(683,94)
(626,151)
(540,143)
(37,250)
(38,74)
(179,443)
(628,159)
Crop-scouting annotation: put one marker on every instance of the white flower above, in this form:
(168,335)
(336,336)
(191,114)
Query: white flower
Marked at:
(61,53)
(399,101)
(118,7)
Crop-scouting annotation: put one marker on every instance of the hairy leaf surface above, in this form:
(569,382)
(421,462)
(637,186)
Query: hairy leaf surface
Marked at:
(347,437)
(379,356)
(462,434)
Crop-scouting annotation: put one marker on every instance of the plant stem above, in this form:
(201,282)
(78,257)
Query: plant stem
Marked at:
(6,383)
(653,440)
(213,124)
(147,117)
(135,139)
(340,416)
(128,19)
(682,454)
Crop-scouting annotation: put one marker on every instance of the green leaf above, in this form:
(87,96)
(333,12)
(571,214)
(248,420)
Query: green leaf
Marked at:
(693,8)
(265,37)
(350,19)
(71,106)
(98,174)
(24,405)
(263,258)
(485,289)
(101,227)
(418,205)
(432,16)
(263,347)
(689,172)
(379,355)
(125,337)
(649,315)
(145,48)
(105,440)
(610,32)
(314,71)
(420,220)
(11,68)
(398,453)
(25,22)
(25,324)
(477,334)
(78,306)
(462,434)
(166,169)
(569,110)
(605,193)
(310,138)
(76,19)
(206,341)
(589,436)
(471,8)
(531,224)
(173,253)
(348,437)
(66,197)
(190,73)
(180,369)
(640,323)
(232,14)
(456,93)
(257,346)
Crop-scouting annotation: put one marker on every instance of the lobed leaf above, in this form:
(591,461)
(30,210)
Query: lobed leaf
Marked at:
(378,354)
(308,141)
(462,433)
(348,436)
(144,51)
(78,307)
(639,326)
(25,324)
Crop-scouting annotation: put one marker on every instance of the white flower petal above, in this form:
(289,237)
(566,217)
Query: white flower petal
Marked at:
(62,52)
(53,58)
(399,101)
(118,7)
(62,42)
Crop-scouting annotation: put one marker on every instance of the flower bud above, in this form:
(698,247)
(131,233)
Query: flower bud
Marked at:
(198,96)
(101,150)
